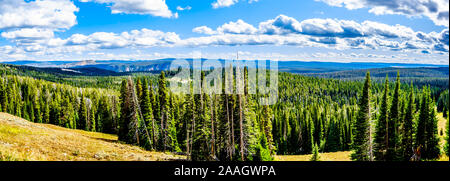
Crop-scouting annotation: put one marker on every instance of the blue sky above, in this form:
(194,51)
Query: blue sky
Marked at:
(308,30)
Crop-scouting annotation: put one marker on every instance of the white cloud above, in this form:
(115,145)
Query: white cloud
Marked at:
(436,10)
(51,14)
(280,25)
(224,3)
(332,34)
(227,3)
(204,30)
(28,33)
(238,27)
(152,7)
(187,8)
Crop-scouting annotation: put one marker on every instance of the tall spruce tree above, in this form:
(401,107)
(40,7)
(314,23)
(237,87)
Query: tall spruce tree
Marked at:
(381,132)
(201,135)
(361,139)
(408,128)
(393,124)
(124,111)
(82,114)
(147,112)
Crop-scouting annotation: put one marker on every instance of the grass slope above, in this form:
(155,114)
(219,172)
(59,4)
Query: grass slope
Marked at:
(24,140)
(334,156)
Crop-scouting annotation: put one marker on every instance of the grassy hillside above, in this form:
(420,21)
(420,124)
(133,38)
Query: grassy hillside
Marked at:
(335,156)
(24,140)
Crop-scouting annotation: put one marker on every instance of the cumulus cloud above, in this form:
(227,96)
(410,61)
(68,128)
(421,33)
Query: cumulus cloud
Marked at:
(238,27)
(435,10)
(50,14)
(204,30)
(152,7)
(227,3)
(28,33)
(333,33)
(330,34)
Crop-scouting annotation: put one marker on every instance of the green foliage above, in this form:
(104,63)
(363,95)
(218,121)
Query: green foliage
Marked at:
(394,124)
(311,114)
(408,129)
(381,132)
(315,156)
(361,143)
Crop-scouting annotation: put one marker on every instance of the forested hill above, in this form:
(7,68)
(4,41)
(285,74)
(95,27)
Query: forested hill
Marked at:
(422,72)
(311,115)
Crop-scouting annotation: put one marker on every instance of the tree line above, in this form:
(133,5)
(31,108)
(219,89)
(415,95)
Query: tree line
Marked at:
(311,115)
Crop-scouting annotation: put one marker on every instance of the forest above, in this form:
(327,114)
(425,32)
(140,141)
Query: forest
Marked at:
(390,119)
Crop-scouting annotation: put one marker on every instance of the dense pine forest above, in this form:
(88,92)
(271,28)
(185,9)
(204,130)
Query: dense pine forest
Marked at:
(393,119)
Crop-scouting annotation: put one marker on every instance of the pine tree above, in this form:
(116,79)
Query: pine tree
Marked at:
(433,149)
(361,139)
(201,135)
(164,112)
(381,132)
(266,119)
(393,124)
(147,111)
(422,122)
(83,114)
(92,119)
(3,95)
(123,122)
(427,138)
(408,128)
(333,142)
(315,156)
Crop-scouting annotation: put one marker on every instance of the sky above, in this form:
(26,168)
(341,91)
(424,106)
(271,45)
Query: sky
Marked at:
(397,31)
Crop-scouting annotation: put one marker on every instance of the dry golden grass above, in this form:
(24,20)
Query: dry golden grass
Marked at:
(442,123)
(335,156)
(23,140)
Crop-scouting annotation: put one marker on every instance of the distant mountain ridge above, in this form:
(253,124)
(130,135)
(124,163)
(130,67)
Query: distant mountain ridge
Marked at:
(122,66)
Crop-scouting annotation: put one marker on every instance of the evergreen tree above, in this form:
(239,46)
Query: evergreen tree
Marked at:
(333,142)
(381,132)
(83,114)
(147,112)
(408,128)
(92,119)
(361,139)
(201,135)
(124,111)
(3,95)
(393,124)
(433,149)
(427,138)
(315,156)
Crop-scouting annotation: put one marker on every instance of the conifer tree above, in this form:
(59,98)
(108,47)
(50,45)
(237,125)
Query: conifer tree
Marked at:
(315,156)
(164,112)
(123,122)
(361,139)
(83,114)
(393,124)
(92,118)
(333,142)
(408,128)
(201,135)
(433,149)
(3,95)
(147,112)
(381,132)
